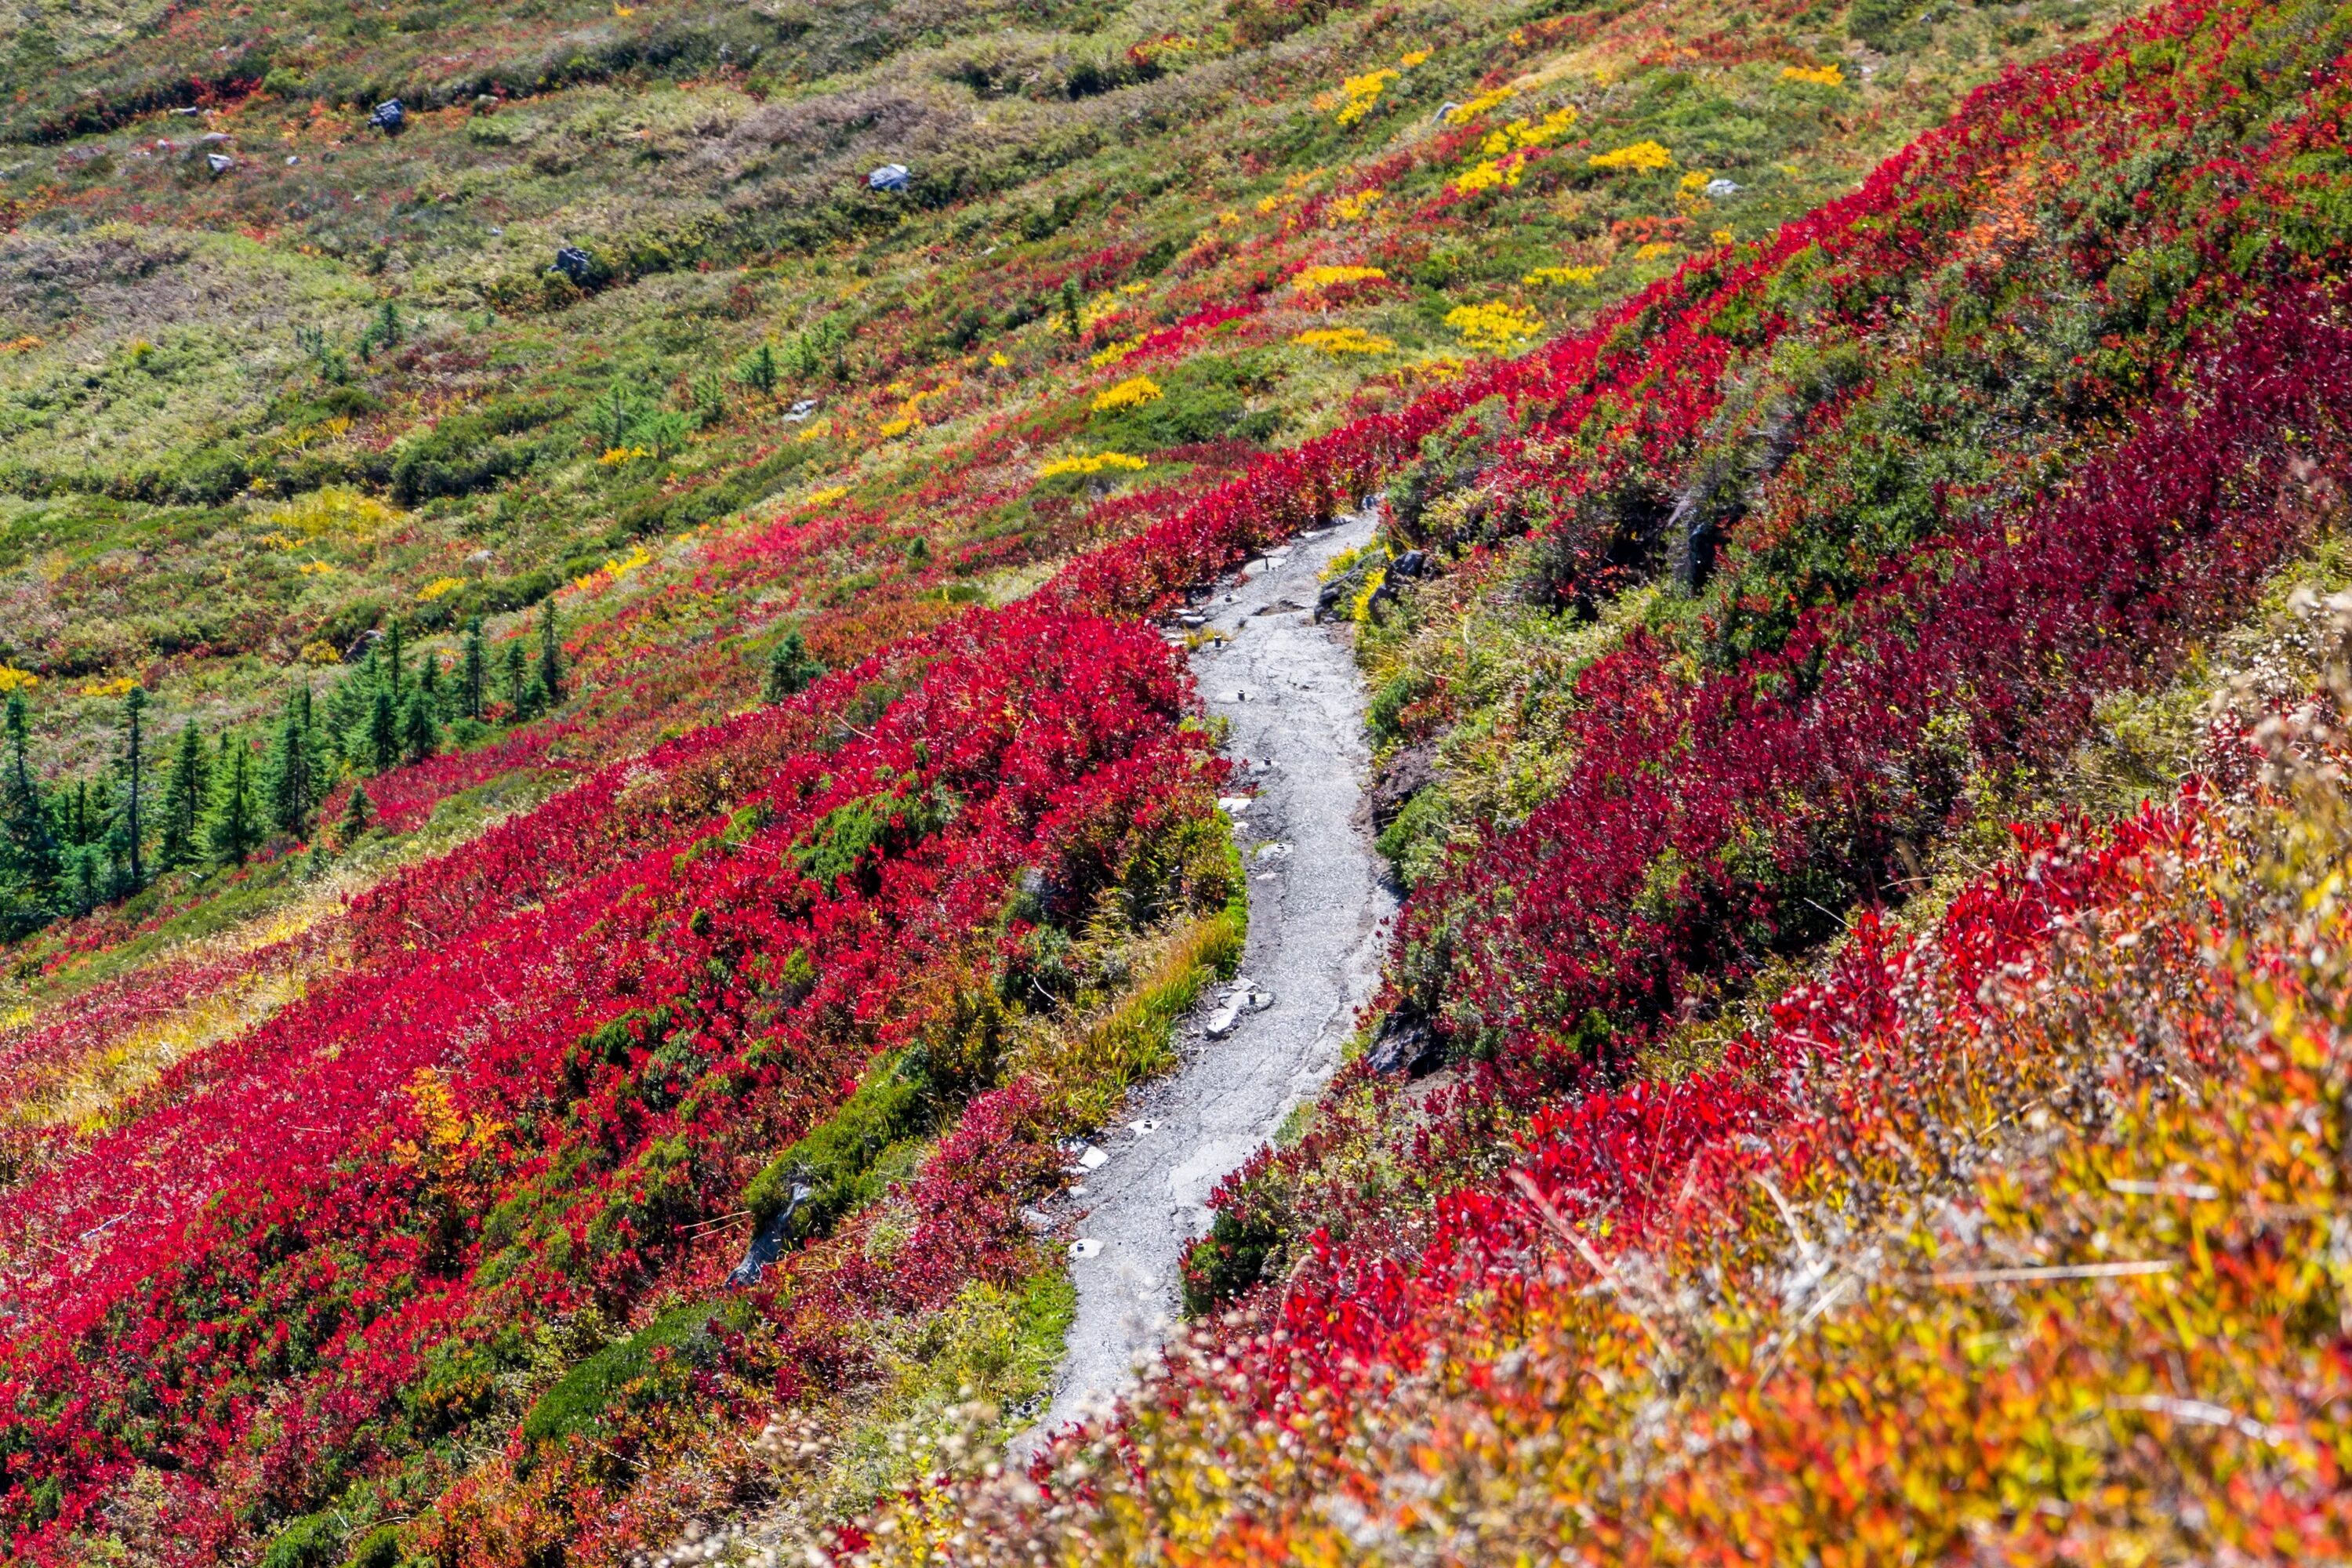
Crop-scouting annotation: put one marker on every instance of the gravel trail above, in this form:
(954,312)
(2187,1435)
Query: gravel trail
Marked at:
(1317,897)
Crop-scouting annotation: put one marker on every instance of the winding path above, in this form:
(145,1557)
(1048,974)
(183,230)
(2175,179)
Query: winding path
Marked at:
(1289,690)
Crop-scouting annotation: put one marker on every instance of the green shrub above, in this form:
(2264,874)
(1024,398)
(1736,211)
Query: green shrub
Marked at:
(1876,22)
(598,1382)
(313,1541)
(835,1158)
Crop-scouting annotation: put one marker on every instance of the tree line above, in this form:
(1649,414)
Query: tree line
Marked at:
(68,849)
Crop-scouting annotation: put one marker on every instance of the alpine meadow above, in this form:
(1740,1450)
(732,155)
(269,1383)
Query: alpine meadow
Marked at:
(1175,782)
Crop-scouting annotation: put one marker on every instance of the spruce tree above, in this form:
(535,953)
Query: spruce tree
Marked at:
(134,780)
(394,675)
(319,745)
(358,812)
(519,684)
(791,669)
(183,802)
(86,878)
(31,842)
(290,785)
(471,671)
(428,680)
(383,732)
(418,736)
(235,830)
(73,813)
(551,656)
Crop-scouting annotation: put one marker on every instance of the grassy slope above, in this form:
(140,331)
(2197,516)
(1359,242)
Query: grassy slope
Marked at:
(190,500)
(191,497)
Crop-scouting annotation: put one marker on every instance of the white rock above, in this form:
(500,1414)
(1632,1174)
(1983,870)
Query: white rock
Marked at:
(1092,1158)
(1085,1246)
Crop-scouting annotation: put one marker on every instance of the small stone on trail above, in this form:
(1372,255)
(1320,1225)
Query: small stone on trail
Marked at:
(1085,1246)
(1092,1158)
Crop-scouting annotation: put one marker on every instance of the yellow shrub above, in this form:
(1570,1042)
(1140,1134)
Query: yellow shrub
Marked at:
(1519,135)
(1463,113)
(439,587)
(1132,392)
(1336,340)
(1487,176)
(825,497)
(1583,277)
(1641,158)
(1814,76)
(14,679)
(1099,463)
(1312,278)
(1358,93)
(334,510)
(1494,329)
(1353,209)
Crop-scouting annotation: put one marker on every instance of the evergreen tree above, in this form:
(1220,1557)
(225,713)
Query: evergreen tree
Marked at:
(758,372)
(551,656)
(183,802)
(319,745)
(134,782)
(73,814)
(348,707)
(31,843)
(235,830)
(791,669)
(518,686)
(86,877)
(358,812)
(290,784)
(418,735)
(395,673)
(383,732)
(428,680)
(471,671)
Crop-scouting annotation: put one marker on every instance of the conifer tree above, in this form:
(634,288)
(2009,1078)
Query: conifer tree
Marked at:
(395,673)
(31,842)
(235,830)
(519,690)
(471,671)
(358,812)
(132,835)
(419,738)
(290,785)
(183,802)
(73,813)
(383,732)
(791,669)
(428,680)
(87,880)
(551,656)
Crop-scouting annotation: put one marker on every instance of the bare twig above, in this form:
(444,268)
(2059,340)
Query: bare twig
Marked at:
(1558,1223)
(2053,1272)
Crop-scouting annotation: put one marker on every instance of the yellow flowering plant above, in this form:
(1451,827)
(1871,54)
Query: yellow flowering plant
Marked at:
(1495,328)
(1339,340)
(1639,158)
(1132,392)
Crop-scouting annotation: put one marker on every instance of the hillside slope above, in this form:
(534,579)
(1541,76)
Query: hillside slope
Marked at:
(1741,625)
(591,801)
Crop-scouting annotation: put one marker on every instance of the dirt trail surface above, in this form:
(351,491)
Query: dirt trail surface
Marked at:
(1290,689)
